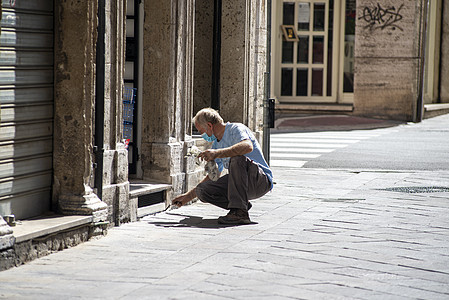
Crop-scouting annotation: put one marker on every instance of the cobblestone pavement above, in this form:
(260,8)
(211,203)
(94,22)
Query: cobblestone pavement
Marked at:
(321,234)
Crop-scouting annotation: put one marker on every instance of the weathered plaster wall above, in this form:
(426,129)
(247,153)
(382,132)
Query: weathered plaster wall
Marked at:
(387,60)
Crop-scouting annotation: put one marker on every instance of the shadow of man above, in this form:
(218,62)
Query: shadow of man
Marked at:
(193,221)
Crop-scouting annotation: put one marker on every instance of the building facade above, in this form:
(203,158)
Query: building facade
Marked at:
(73,144)
(381,59)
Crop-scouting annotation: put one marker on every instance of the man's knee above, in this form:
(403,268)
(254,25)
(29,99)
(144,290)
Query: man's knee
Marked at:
(237,160)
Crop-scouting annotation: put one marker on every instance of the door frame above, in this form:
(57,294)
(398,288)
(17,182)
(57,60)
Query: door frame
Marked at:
(337,95)
(343,98)
(432,52)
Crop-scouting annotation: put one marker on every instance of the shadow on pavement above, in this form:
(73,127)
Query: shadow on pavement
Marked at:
(193,221)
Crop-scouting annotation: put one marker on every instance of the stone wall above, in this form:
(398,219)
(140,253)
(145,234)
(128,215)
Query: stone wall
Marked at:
(387,58)
(21,253)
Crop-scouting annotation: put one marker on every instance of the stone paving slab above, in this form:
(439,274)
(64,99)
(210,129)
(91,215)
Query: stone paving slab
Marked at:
(321,234)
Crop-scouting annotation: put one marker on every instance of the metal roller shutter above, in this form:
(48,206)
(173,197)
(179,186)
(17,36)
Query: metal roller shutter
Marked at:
(26,95)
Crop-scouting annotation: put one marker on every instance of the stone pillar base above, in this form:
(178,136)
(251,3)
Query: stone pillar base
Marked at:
(7,239)
(88,204)
(160,161)
(116,197)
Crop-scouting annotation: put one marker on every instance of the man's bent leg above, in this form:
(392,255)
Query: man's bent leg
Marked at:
(246,181)
(258,182)
(214,192)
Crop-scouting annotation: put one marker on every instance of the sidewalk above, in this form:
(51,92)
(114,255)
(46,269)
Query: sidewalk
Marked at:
(320,234)
(329,123)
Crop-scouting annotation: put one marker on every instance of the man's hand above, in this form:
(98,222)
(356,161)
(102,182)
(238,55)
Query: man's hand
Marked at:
(241,148)
(183,199)
(208,155)
(180,200)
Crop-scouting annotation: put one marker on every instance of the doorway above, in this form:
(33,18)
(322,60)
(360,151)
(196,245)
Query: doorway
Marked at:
(313,47)
(133,82)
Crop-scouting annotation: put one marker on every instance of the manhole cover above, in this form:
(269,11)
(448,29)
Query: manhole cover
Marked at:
(418,189)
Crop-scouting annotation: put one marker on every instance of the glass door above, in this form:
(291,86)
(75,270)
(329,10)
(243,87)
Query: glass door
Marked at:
(348,15)
(307,56)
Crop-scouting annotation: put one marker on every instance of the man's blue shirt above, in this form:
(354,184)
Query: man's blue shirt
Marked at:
(235,133)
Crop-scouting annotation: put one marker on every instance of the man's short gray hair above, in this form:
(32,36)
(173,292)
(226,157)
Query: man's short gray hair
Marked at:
(207,115)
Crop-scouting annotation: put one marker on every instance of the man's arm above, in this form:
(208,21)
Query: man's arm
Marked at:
(241,148)
(187,197)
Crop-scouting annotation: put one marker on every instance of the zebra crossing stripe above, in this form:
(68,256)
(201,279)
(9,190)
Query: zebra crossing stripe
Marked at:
(294,148)
(321,136)
(300,150)
(287,163)
(315,140)
(295,155)
(308,145)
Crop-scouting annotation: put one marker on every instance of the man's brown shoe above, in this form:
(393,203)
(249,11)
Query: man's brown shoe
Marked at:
(235,217)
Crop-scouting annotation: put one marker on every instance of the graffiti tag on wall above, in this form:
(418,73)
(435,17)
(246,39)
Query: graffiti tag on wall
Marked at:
(378,17)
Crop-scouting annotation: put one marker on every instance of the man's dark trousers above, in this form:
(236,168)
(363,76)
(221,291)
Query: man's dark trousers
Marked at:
(245,181)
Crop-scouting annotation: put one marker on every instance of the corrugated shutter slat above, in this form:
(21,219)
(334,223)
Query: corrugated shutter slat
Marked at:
(26,93)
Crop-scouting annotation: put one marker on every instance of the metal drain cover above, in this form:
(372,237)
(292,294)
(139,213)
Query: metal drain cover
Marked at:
(418,189)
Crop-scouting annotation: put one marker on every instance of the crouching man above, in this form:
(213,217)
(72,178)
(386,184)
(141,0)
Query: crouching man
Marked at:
(236,149)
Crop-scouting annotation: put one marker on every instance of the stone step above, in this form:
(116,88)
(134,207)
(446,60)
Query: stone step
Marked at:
(437,109)
(153,191)
(46,225)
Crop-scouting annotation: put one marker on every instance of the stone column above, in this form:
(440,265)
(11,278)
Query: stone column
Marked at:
(258,58)
(115,163)
(243,61)
(167,89)
(75,42)
(6,235)
(387,58)
(7,241)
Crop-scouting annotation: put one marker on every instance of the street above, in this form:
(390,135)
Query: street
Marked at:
(420,146)
(354,215)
